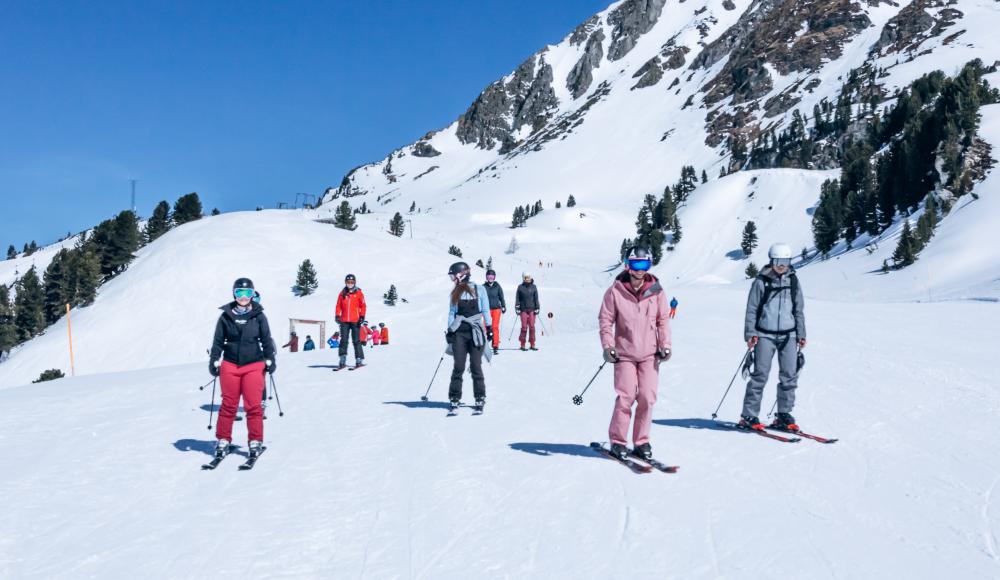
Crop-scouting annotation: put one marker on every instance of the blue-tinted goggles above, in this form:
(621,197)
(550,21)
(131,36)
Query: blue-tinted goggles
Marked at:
(243,293)
(640,265)
(781,262)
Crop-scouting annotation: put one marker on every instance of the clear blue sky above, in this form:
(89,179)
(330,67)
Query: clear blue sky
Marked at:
(244,102)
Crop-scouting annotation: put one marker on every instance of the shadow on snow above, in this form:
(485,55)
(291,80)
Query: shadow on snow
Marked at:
(555,449)
(693,423)
(419,404)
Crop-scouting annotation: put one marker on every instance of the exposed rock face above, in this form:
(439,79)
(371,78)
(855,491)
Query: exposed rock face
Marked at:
(502,109)
(651,73)
(425,149)
(673,56)
(630,21)
(583,31)
(581,76)
(908,29)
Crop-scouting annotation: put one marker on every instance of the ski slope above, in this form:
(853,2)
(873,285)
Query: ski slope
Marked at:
(363,480)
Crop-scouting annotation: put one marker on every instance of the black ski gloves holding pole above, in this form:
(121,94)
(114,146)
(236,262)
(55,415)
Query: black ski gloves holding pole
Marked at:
(610,355)
(213,368)
(271,366)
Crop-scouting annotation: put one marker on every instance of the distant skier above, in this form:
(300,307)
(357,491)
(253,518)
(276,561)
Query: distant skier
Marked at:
(293,343)
(350,312)
(468,311)
(527,307)
(636,307)
(498,306)
(384,331)
(673,307)
(309,345)
(775,322)
(334,341)
(242,350)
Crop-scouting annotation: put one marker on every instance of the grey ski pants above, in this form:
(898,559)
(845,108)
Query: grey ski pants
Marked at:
(786,348)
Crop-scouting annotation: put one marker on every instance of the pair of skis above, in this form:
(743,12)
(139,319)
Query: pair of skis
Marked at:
(768,432)
(476,410)
(634,462)
(349,368)
(245,466)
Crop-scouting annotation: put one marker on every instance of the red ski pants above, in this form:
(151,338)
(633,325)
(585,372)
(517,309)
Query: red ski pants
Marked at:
(527,327)
(248,381)
(495,314)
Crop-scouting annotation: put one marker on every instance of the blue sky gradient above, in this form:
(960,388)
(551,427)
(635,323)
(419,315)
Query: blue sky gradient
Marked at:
(246,103)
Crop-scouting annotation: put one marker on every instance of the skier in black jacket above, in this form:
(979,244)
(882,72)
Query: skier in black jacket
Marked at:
(242,350)
(498,306)
(527,307)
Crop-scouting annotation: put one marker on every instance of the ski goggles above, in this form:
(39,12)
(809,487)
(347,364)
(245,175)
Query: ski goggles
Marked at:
(781,262)
(491,277)
(640,265)
(243,293)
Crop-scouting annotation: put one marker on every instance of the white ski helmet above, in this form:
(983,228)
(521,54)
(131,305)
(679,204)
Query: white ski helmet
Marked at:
(780,252)
(527,275)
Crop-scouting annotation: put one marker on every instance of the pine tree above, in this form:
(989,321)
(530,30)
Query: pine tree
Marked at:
(489,263)
(306,282)
(364,208)
(704,176)
(413,207)
(686,185)
(677,231)
(749,238)
(518,219)
(624,250)
(158,223)
(124,242)
(479,263)
(905,254)
(344,218)
(396,225)
(187,208)
(57,288)
(826,223)
(49,375)
(33,247)
(927,222)
(513,246)
(29,306)
(11,252)
(86,276)
(8,334)
(456,251)
(751,271)
(558,204)
(24,251)
(390,296)
(215,211)
(571,202)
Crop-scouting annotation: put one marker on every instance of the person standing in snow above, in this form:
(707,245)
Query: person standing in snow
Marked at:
(350,312)
(242,351)
(309,345)
(527,307)
(384,332)
(364,334)
(468,311)
(334,341)
(635,336)
(375,334)
(775,323)
(498,306)
(293,342)
(673,307)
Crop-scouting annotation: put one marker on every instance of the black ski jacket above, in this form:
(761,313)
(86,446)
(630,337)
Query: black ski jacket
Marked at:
(243,339)
(527,297)
(495,294)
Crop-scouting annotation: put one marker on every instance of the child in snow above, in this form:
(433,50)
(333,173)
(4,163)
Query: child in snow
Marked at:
(468,311)
(376,336)
(309,345)
(775,323)
(364,334)
(242,350)
(635,336)
(334,341)
(293,343)
(384,331)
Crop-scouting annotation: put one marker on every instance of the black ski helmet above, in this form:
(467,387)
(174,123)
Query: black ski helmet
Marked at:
(491,272)
(243,283)
(639,253)
(459,270)
(350,278)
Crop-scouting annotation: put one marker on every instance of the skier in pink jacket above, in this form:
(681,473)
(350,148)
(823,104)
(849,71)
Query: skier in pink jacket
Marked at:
(635,335)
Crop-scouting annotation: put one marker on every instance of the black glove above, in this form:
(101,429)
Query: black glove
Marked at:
(537,311)
(489,333)
(610,355)
(517,310)
(271,366)
(449,337)
(338,320)
(663,354)
(503,310)
(212,369)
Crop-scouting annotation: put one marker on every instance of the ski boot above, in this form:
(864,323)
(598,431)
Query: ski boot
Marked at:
(532,348)
(619,451)
(784,422)
(454,404)
(255,448)
(359,363)
(343,363)
(748,423)
(480,403)
(221,448)
(522,347)
(644,451)
(496,350)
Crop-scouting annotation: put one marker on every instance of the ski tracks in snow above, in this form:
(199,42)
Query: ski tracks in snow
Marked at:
(989,537)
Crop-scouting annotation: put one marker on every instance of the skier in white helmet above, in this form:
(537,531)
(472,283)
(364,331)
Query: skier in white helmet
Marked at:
(775,323)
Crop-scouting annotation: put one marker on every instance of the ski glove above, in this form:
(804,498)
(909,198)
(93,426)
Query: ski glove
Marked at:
(610,355)
(663,354)
(503,310)
(449,337)
(517,310)
(271,366)
(537,311)
(489,333)
(213,368)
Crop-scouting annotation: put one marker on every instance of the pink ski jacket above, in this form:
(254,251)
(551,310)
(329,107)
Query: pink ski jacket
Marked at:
(641,322)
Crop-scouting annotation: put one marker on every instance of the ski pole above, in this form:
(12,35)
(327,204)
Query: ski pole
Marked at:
(202,388)
(578,399)
(211,407)
(772,408)
(742,360)
(274,389)
(424,398)
(513,327)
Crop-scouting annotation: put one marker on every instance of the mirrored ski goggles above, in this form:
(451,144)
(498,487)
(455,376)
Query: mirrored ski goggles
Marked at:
(243,293)
(781,262)
(640,265)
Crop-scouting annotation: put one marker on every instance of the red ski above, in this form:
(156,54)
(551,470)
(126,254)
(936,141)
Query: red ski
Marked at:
(806,435)
(761,431)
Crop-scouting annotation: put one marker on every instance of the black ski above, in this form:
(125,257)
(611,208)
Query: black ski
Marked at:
(477,410)
(806,435)
(335,369)
(760,432)
(635,467)
(251,461)
(217,460)
(656,464)
(356,367)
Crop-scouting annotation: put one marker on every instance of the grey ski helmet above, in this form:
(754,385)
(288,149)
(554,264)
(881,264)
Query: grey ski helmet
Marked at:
(639,259)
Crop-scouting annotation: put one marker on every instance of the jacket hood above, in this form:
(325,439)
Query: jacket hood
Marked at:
(650,286)
(255,308)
